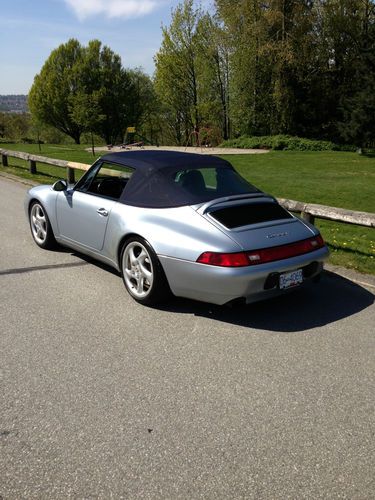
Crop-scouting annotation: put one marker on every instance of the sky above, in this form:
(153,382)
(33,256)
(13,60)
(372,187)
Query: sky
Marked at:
(31,29)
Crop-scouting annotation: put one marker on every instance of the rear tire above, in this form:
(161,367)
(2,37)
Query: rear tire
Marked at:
(40,226)
(142,272)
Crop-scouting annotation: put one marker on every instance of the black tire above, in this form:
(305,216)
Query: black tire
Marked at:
(40,226)
(142,273)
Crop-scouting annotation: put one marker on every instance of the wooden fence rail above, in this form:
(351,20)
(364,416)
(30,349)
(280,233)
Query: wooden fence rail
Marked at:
(70,166)
(309,211)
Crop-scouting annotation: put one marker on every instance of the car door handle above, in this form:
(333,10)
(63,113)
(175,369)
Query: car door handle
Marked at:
(103,212)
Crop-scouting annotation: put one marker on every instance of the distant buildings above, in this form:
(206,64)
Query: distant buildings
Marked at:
(13,104)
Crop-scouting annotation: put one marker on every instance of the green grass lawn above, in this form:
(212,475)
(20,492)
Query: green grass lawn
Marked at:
(337,179)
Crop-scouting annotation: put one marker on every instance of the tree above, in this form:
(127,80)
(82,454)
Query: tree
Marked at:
(214,75)
(245,27)
(146,106)
(86,113)
(177,78)
(14,126)
(3,126)
(55,85)
(270,54)
(102,73)
(74,76)
(353,67)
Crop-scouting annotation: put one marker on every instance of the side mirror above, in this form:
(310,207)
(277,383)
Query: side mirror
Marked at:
(60,186)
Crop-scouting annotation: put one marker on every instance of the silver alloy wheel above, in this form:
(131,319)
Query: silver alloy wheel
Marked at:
(38,223)
(137,270)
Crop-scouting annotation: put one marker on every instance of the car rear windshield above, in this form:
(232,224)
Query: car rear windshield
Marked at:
(173,186)
(251,213)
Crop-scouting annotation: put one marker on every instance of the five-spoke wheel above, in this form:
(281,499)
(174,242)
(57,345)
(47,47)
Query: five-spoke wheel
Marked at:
(142,273)
(40,226)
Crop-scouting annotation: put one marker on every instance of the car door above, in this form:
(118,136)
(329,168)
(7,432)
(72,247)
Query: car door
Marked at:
(82,213)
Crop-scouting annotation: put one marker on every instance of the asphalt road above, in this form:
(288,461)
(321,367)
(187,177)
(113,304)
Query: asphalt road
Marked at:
(104,398)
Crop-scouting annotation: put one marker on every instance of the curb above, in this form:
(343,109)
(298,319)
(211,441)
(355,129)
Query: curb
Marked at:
(366,280)
(21,180)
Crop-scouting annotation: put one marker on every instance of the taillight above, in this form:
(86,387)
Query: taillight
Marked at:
(252,258)
(224,259)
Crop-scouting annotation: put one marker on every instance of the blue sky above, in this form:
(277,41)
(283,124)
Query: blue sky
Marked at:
(31,29)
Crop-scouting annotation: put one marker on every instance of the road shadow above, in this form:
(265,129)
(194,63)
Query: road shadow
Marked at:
(308,307)
(94,262)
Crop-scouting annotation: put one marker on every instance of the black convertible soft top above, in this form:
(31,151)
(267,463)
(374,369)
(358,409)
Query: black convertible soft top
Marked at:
(163,179)
(151,160)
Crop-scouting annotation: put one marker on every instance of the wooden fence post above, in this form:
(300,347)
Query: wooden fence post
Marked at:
(308,217)
(70,175)
(4,160)
(32,166)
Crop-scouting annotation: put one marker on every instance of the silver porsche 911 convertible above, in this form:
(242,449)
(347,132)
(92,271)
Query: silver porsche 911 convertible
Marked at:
(178,222)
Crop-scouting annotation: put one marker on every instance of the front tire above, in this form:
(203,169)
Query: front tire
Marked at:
(40,226)
(142,272)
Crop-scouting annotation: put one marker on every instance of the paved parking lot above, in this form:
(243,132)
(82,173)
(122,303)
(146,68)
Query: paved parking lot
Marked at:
(104,398)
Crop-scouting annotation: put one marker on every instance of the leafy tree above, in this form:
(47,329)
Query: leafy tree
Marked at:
(249,79)
(2,125)
(85,112)
(55,85)
(14,126)
(271,46)
(177,78)
(146,106)
(102,73)
(357,104)
(213,82)
(74,76)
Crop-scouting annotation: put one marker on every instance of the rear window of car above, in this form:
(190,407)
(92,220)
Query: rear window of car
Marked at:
(248,214)
(174,186)
(214,181)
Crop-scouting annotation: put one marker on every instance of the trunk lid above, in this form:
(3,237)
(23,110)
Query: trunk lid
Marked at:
(256,222)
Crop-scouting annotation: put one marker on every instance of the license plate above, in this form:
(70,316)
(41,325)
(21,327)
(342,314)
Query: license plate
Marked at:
(293,278)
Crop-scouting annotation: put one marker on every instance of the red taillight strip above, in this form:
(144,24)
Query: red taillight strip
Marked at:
(261,256)
(224,259)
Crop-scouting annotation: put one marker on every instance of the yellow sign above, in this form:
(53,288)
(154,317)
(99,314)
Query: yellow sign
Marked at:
(130,130)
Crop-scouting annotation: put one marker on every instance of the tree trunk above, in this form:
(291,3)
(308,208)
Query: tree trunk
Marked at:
(92,144)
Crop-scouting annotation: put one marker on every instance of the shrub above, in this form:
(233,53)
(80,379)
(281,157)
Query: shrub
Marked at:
(5,140)
(284,143)
(29,140)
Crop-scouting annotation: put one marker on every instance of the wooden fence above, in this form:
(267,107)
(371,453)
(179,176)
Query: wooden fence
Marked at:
(70,166)
(309,211)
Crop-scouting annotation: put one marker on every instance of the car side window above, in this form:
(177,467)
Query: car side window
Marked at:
(108,180)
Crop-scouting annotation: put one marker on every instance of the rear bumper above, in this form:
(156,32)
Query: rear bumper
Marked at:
(219,285)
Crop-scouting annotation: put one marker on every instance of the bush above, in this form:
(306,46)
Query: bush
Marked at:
(284,143)
(5,140)
(29,140)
